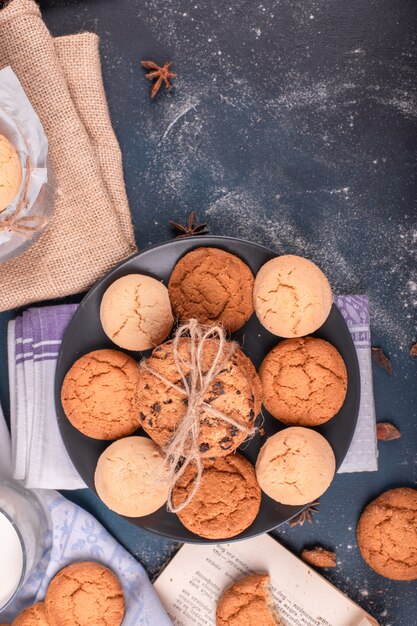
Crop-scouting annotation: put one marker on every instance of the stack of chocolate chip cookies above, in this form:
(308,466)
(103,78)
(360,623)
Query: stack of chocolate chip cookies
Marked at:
(302,383)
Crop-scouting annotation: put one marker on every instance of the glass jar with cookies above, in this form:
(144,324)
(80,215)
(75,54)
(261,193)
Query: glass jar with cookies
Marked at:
(26,179)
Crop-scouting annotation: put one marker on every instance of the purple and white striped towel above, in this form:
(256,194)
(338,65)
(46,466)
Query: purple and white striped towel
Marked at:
(39,456)
(40,459)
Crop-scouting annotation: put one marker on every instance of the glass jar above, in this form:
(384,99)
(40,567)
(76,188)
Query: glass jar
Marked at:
(27,216)
(24,530)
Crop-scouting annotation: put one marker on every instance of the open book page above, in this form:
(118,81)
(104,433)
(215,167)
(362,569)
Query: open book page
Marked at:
(192,583)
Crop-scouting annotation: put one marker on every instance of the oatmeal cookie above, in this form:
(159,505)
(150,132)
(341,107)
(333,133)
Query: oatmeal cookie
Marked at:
(226,502)
(387,534)
(304,381)
(247,602)
(85,594)
(34,615)
(98,394)
(212,286)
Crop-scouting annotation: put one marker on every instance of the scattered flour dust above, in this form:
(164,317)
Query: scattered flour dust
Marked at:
(242,214)
(299,104)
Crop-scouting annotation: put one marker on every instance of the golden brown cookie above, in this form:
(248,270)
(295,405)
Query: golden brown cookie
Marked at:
(85,594)
(387,534)
(212,286)
(98,394)
(226,502)
(10,173)
(246,603)
(34,615)
(304,381)
(235,391)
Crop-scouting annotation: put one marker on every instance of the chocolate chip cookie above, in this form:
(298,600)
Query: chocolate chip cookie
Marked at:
(212,286)
(226,502)
(387,534)
(304,381)
(98,394)
(235,392)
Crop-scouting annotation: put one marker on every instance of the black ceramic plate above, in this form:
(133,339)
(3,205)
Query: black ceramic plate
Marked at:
(85,333)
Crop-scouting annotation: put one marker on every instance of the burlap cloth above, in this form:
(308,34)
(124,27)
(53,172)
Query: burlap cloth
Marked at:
(91,229)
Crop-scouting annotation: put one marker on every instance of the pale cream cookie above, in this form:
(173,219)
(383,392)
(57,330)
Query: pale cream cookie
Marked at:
(135,312)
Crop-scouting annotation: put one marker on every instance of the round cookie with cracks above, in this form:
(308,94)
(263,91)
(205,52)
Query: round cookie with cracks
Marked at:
(135,312)
(98,394)
(131,478)
(248,601)
(83,594)
(236,391)
(34,615)
(212,286)
(387,534)
(295,466)
(292,296)
(304,381)
(227,501)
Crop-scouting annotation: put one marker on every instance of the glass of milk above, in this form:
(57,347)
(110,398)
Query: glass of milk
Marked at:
(23,534)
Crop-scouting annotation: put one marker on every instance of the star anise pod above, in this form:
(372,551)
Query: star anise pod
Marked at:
(191,229)
(159,74)
(305,516)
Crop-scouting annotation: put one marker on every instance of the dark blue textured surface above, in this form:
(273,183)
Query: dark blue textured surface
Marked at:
(292,123)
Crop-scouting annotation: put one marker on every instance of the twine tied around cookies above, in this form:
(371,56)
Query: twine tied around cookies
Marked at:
(183,448)
(25,225)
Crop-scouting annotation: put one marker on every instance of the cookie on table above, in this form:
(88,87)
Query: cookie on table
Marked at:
(135,312)
(85,594)
(236,391)
(34,615)
(131,478)
(227,501)
(304,381)
(292,296)
(295,466)
(212,286)
(10,173)
(98,394)
(247,602)
(387,534)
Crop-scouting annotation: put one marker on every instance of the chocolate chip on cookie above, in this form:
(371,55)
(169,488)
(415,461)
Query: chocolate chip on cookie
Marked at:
(236,392)
(227,501)
(304,381)
(212,286)
(98,394)
(387,534)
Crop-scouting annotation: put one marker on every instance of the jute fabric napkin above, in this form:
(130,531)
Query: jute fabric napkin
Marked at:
(91,229)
